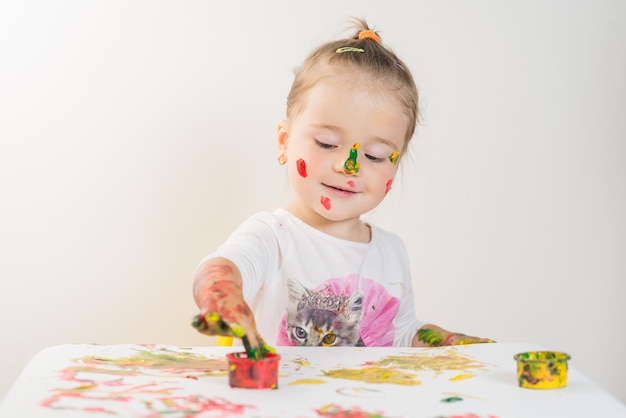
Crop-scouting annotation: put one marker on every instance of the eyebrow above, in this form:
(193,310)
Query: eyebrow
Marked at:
(340,131)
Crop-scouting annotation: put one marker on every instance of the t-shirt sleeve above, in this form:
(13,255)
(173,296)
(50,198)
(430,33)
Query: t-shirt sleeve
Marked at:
(253,248)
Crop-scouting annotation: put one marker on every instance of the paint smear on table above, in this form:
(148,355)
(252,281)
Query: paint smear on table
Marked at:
(307,382)
(374,375)
(450,360)
(462,376)
(147,383)
(358,392)
(162,360)
(337,411)
(392,369)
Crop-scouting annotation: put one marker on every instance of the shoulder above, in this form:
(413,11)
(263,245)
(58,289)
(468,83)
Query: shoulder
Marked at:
(263,224)
(274,220)
(384,237)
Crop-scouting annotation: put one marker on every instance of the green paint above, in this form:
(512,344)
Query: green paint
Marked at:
(348,49)
(213,324)
(351,166)
(452,399)
(429,336)
(237,330)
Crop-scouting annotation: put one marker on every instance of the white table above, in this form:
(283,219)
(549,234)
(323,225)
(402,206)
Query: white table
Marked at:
(87,380)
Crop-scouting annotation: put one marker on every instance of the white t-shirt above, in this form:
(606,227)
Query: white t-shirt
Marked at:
(306,287)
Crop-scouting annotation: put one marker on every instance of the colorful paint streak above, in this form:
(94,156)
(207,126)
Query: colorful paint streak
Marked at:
(301,166)
(374,375)
(162,360)
(439,363)
(325,201)
(105,385)
(337,411)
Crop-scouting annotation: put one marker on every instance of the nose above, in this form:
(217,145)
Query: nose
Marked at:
(351,165)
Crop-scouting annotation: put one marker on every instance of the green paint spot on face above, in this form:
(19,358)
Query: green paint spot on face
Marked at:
(351,166)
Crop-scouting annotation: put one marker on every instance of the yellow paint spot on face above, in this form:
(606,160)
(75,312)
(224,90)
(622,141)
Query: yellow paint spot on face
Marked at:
(463,376)
(307,382)
(381,119)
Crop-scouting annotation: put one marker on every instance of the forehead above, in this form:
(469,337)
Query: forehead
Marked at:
(357,104)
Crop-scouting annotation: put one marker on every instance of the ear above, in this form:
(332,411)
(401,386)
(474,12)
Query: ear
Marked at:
(282,137)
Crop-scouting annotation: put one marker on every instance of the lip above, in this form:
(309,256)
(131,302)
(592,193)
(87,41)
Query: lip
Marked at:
(338,191)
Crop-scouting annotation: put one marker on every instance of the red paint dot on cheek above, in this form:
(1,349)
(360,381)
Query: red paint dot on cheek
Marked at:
(325,202)
(388,185)
(301,165)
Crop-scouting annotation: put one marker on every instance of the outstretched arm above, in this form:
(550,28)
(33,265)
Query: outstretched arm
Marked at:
(217,291)
(434,336)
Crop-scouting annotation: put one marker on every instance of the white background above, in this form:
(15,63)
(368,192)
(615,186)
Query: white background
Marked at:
(136,135)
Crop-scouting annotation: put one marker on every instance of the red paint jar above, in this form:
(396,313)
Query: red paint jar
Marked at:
(244,372)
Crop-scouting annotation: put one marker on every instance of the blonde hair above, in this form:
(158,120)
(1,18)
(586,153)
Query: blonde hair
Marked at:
(367,55)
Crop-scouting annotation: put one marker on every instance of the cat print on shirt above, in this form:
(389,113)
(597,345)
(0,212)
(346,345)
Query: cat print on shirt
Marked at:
(317,318)
(340,312)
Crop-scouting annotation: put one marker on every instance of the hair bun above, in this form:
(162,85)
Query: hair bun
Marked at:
(369,34)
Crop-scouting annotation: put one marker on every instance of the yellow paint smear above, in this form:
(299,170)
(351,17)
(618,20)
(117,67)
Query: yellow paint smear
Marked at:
(374,375)
(307,382)
(463,376)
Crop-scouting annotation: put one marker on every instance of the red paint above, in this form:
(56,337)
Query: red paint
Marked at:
(301,167)
(388,186)
(325,202)
(253,374)
(350,183)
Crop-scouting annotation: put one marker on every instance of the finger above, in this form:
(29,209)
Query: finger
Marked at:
(211,324)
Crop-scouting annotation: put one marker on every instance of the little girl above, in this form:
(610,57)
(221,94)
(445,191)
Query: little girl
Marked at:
(313,273)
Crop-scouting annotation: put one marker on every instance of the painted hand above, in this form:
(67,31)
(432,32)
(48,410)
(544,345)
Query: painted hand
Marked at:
(213,324)
(438,337)
(224,312)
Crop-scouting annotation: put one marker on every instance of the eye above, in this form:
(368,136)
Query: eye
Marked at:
(300,333)
(329,339)
(324,145)
(374,159)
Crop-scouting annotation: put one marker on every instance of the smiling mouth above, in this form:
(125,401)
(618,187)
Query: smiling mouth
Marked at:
(339,191)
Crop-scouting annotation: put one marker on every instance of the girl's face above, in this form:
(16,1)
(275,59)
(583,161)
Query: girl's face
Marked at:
(337,113)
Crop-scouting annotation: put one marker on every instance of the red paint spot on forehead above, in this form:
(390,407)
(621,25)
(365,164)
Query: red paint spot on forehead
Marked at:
(301,165)
(325,202)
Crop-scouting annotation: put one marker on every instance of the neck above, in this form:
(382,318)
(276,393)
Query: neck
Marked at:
(352,229)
